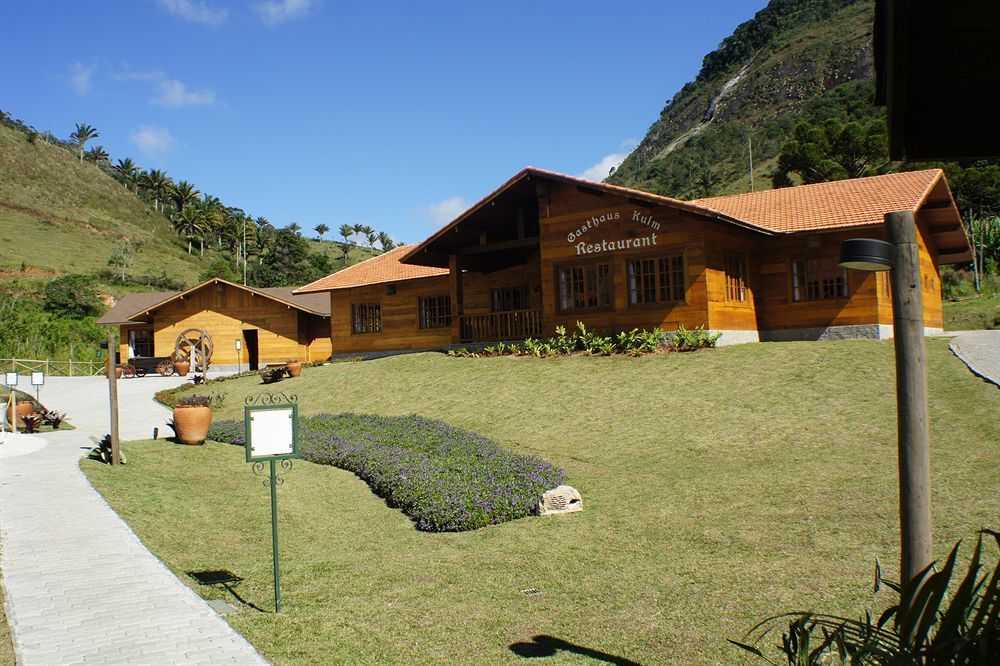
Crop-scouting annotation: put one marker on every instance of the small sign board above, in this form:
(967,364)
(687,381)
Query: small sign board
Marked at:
(10,379)
(272,432)
(239,345)
(38,379)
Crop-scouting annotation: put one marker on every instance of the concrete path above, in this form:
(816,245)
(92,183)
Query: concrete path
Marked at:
(980,350)
(80,586)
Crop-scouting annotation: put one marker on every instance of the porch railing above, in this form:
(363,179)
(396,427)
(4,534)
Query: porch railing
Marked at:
(52,368)
(495,326)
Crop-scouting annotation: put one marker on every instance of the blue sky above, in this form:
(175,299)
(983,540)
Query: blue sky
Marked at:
(395,114)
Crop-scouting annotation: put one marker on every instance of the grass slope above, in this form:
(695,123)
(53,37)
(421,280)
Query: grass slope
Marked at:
(972,313)
(719,487)
(60,216)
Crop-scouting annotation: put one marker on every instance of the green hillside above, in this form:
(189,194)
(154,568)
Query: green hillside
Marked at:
(795,60)
(58,215)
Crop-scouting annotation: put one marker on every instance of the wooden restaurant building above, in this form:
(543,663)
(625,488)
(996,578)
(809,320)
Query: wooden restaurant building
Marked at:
(272,325)
(546,249)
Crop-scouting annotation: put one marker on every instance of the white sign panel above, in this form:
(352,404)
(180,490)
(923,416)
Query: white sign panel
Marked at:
(10,379)
(37,378)
(271,432)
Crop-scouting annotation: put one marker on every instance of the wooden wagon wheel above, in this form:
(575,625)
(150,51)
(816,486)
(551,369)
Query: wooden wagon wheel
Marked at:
(165,368)
(189,347)
(128,371)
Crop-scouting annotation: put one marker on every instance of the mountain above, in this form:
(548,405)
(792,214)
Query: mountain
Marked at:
(795,60)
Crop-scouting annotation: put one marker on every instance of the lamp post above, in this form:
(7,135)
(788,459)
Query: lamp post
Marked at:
(901,255)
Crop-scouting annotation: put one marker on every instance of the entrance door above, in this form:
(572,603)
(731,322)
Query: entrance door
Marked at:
(250,342)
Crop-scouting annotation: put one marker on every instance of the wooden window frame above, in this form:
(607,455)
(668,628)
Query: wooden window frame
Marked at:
(370,312)
(658,283)
(607,262)
(739,285)
(498,295)
(439,305)
(806,285)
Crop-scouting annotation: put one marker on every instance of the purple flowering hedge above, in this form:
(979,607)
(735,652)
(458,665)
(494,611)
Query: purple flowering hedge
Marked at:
(445,478)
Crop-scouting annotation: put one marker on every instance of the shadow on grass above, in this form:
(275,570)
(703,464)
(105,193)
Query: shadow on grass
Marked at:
(224,579)
(548,646)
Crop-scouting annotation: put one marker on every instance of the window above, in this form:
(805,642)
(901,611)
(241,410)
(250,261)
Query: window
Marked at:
(506,299)
(736,279)
(366,318)
(818,279)
(652,280)
(585,287)
(435,311)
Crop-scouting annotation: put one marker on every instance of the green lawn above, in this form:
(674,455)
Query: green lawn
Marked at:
(6,642)
(972,314)
(719,487)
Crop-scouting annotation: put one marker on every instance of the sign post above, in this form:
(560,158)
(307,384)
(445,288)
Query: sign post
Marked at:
(272,436)
(10,379)
(38,380)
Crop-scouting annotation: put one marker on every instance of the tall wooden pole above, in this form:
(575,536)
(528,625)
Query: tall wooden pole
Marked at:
(113,396)
(911,397)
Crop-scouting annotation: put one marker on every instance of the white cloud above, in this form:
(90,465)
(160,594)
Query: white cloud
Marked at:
(276,12)
(153,141)
(172,93)
(196,12)
(445,211)
(602,169)
(167,91)
(80,76)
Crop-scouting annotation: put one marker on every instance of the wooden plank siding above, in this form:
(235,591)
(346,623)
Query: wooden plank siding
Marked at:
(225,312)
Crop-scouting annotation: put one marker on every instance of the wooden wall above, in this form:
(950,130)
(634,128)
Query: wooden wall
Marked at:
(227,313)
(930,292)
(400,323)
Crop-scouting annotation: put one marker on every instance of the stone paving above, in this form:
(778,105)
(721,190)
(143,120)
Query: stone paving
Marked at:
(980,350)
(80,587)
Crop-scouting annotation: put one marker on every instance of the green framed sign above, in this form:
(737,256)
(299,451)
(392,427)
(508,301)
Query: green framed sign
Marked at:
(272,432)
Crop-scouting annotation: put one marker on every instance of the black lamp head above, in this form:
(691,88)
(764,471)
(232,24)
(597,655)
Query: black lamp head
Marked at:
(866,254)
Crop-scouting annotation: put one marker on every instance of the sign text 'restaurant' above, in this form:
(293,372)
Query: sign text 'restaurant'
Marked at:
(605,245)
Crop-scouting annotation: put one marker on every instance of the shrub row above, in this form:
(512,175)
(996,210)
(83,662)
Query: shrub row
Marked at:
(582,341)
(446,479)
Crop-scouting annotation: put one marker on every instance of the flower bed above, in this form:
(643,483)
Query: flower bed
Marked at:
(446,479)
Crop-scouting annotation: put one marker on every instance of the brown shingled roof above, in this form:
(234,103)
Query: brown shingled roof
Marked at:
(842,203)
(127,308)
(385,267)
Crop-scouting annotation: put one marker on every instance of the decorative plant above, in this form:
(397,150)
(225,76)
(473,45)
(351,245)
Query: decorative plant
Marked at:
(689,340)
(54,418)
(32,422)
(102,451)
(929,625)
(194,401)
(272,375)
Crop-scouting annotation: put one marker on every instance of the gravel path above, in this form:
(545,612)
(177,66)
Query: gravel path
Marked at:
(80,587)
(980,350)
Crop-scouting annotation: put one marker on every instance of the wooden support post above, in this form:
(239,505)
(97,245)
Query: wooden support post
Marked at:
(911,397)
(457,296)
(113,396)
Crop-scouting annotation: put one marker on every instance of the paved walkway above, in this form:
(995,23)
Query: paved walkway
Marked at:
(80,586)
(980,350)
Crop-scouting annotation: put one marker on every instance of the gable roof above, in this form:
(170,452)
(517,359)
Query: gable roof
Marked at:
(841,203)
(133,308)
(386,267)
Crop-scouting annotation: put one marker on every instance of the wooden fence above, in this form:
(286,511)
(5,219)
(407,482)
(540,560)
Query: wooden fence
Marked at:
(52,368)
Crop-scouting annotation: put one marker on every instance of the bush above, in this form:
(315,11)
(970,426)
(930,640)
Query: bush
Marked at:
(444,478)
(73,296)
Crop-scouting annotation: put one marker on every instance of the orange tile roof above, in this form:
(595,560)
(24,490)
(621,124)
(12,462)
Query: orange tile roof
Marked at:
(842,203)
(383,268)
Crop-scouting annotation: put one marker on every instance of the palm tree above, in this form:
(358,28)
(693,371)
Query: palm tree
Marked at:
(262,238)
(346,231)
(345,249)
(125,168)
(82,135)
(358,229)
(190,222)
(385,240)
(215,217)
(372,237)
(183,193)
(157,183)
(294,227)
(97,155)
(321,229)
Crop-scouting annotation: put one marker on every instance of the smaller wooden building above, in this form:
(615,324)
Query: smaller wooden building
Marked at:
(272,325)
(546,250)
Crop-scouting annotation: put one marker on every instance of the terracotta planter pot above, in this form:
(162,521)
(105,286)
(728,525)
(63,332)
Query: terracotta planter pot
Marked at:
(23,409)
(294,369)
(118,372)
(182,367)
(192,423)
